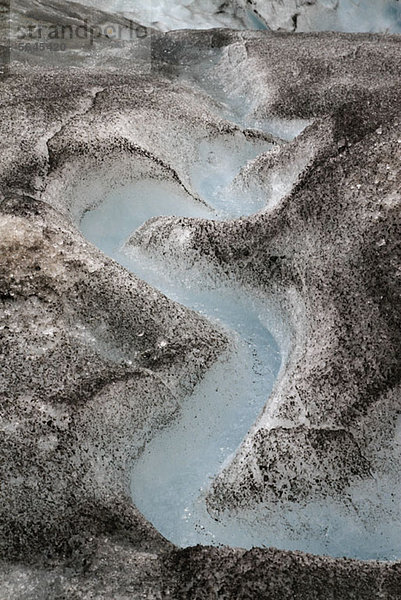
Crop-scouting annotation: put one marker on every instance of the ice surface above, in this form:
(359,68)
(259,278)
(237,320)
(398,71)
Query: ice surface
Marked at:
(178,464)
(220,161)
(129,206)
(202,71)
(330,15)
(284,129)
(170,478)
(355,16)
(322,15)
(167,15)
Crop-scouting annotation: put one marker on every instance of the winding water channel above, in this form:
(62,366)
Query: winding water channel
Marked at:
(170,477)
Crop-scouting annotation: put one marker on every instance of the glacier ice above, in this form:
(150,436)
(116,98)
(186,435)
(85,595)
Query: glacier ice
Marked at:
(124,350)
(167,15)
(129,206)
(282,15)
(220,161)
(170,478)
(331,15)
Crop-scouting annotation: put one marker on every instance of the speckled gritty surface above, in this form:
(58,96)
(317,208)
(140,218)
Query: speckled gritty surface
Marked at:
(84,378)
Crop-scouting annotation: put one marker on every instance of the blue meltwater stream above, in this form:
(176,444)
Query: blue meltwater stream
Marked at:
(170,477)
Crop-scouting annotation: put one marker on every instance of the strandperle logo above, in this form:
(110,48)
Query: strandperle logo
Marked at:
(84,32)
